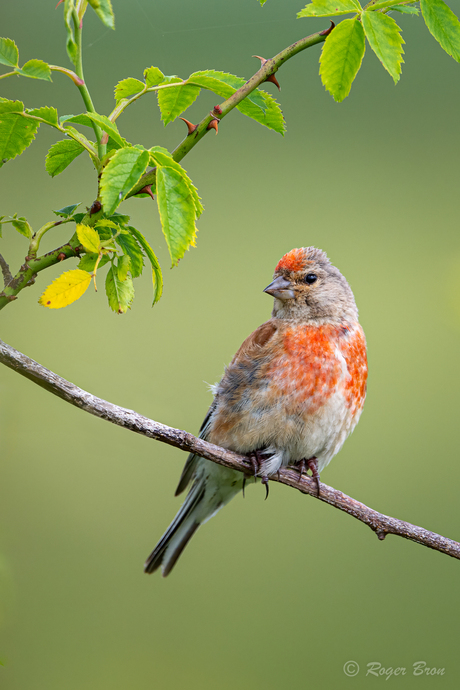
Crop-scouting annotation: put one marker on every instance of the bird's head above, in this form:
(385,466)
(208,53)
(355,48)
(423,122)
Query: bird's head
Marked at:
(306,286)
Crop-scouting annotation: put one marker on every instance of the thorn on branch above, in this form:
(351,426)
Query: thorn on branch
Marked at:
(326,32)
(146,190)
(190,126)
(7,277)
(214,124)
(217,110)
(61,256)
(381,534)
(272,77)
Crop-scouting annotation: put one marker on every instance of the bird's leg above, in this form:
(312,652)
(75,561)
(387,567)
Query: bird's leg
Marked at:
(301,466)
(312,465)
(256,458)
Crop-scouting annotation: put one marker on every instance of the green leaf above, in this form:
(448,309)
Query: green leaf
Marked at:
(259,105)
(174,101)
(123,266)
(67,210)
(119,218)
(81,119)
(225,84)
(47,114)
(89,238)
(108,126)
(78,136)
(405,9)
(35,69)
(9,54)
(162,157)
(385,4)
(88,262)
(71,45)
(153,76)
(341,58)
(443,25)
(103,9)
(121,173)
(23,227)
(61,155)
(384,37)
(177,212)
(128,87)
(131,248)
(120,293)
(157,276)
(16,132)
(329,8)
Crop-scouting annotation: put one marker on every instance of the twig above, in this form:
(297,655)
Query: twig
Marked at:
(7,277)
(379,523)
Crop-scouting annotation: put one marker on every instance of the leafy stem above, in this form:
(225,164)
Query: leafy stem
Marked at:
(123,104)
(36,238)
(268,68)
(82,87)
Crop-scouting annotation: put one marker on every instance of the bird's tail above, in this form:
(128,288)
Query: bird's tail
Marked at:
(213,487)
(178,534)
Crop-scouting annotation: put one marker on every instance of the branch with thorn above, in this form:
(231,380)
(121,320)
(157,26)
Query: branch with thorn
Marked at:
(128,419)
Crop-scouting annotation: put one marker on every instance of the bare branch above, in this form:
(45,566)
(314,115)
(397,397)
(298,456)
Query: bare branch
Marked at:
(379,523)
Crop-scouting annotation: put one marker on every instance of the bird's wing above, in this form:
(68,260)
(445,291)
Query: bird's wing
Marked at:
(191,462)
(249,351)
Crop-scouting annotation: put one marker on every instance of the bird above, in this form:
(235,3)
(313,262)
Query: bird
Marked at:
(291,395)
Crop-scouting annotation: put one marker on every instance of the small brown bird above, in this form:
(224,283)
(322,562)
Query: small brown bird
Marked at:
(292,394)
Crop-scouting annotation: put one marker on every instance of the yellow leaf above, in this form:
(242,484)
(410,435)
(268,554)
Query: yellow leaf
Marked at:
(69,287)
(89,238)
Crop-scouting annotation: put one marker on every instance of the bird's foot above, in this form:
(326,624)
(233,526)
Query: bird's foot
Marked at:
(312,465)
(257,457)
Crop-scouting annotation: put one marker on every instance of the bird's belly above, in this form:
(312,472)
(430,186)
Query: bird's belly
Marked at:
(288,430)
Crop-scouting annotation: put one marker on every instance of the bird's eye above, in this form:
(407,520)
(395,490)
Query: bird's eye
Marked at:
(310,278)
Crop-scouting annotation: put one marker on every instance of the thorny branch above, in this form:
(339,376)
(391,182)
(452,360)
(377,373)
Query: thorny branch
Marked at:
(379,523)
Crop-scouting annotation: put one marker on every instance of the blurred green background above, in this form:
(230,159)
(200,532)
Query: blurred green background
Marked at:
(275,594)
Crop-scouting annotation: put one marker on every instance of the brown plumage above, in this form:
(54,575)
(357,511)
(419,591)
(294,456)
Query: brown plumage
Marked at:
(290,396)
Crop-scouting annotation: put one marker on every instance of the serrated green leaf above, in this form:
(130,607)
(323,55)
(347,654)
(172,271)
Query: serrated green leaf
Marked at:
(153,76)
(16,131)
(71,45)
(119,218)
(88,262)
(259,105)
(131,248)
(86,143)
(104,11)
(123,266)
(385,4)
(174,101)
(329,8)
(225,84)
(89,238)
(81,119)
(35,69)
(61,155)
(120,175)
(443,24)
(162,157)
(341,58)
(23,227)
(177,212)
(9,54)
(384,37)
(128,87)
(405,9)
(157,276)
(120,293)
(108,126)
(67,211)
(46,113)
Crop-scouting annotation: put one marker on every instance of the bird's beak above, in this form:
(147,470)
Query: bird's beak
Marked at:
(280,288)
